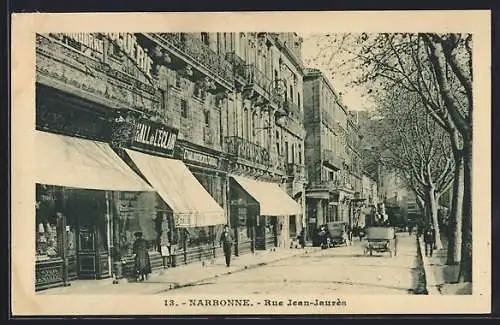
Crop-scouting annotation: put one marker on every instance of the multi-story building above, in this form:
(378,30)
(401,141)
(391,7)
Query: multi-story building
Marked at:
(265,136)
(166,134)
(331,151)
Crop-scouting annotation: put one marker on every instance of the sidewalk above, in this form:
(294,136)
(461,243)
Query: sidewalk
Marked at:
(180,276)
(441,278)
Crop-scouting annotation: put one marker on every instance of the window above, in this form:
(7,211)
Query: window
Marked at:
(287,156)
(207,118)
(178,80)
(204,38)
(291,93)
(330,176)
(184,108)
(300,154)
(298,99)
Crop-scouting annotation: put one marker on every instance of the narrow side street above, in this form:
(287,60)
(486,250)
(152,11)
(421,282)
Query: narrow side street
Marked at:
(344,270)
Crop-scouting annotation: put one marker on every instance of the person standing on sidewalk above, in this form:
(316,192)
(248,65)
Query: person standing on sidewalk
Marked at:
(429,239)
(226,241)
(142,262)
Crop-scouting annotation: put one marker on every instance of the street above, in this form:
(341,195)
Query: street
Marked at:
(341,269)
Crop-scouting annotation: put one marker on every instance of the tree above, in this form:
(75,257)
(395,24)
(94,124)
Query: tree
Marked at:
(412,143)
(437,69)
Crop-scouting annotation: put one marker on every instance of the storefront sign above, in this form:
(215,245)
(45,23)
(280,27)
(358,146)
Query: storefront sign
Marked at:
(155,136)
(200,158)
(126,42)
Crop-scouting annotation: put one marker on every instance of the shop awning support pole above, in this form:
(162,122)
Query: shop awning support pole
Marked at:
(108,233)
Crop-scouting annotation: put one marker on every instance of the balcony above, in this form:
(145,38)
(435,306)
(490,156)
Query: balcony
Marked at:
(325,185)
(257,83)
(293,110)
(198,54)
(295,170)
(331,159)
(244,149)
(239,66)
(278,162)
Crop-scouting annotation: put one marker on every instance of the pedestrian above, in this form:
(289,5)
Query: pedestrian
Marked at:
(302,238)
(429,239)
(410,228)
(142,262)
(349,233)
(226,241)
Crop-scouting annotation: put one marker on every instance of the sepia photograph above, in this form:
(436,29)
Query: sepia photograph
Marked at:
(215,170)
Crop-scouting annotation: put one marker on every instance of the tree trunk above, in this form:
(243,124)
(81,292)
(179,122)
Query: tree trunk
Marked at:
(433,214)
(465,274)
(421,204)
(455,218)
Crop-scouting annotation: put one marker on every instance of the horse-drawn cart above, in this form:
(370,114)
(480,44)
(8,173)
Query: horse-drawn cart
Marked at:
(380,240)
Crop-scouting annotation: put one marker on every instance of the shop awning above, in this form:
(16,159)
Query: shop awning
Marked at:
(191,204)
(79,163)
(272,199)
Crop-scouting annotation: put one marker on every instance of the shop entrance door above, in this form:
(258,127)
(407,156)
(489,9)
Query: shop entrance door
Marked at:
(91,248)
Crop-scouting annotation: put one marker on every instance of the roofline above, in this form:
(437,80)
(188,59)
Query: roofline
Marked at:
(315,72)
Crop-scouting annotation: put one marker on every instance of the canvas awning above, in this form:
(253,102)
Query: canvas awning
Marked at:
(191,204)
(79,163)
(272,199)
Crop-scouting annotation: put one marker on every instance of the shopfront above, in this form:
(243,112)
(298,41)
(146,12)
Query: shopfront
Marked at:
(259,211)
(194,215)
(89,201)
(208,167)
(75,181)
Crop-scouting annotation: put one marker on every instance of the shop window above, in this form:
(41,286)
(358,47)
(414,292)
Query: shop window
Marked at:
(48,226)
(184,108)
(199,236)
(134,212)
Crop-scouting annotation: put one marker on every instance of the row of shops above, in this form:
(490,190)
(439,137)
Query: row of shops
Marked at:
(105,171)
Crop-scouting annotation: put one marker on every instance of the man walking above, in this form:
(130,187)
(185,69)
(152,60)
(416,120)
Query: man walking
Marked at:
(226,241)
(429,239)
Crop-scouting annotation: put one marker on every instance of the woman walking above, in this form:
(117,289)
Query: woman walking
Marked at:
(142,263)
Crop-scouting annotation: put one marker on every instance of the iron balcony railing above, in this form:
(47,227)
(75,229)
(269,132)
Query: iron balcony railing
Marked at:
(332,159)
(194,47)
(247,150)
(256,77)
(326,185)
(295,169)
(239,65)
(278,162)
(293,110)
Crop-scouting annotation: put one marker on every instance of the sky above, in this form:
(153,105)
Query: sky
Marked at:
(351,96)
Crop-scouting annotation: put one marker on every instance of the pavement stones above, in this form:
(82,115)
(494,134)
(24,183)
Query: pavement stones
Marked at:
(180,276)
